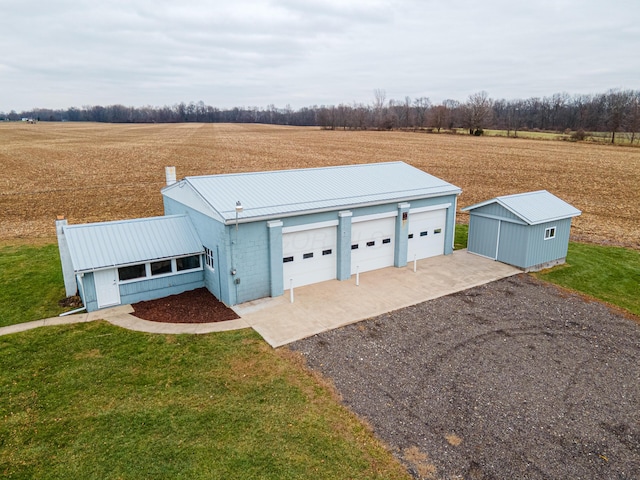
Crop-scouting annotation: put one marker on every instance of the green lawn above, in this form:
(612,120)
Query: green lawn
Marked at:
(460,237)
(611,274)
(94,401)
(30,283)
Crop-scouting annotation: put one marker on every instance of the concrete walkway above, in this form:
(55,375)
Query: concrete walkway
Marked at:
(328,305)
(121,316)
(322,306)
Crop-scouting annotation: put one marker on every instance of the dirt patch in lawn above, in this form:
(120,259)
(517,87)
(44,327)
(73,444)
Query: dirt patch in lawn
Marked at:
(195,306)
(513,379)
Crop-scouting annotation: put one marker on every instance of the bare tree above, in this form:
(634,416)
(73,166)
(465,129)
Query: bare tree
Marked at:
(379,100)
(439,117)
(616,102)
(633,123)
(421,107)
(477,111)
(513,116)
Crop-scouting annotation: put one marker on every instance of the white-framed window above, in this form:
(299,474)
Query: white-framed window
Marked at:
(208,258)
(549,233)
(159,268)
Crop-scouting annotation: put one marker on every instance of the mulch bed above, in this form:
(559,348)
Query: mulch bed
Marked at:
(194,306)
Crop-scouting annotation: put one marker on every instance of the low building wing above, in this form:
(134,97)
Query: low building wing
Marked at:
(93,246)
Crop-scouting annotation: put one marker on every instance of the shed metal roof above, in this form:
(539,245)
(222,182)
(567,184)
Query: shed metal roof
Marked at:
(288,192)
(98,245)
(533,207)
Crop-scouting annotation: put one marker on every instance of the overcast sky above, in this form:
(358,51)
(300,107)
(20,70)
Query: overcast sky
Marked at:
(63,53)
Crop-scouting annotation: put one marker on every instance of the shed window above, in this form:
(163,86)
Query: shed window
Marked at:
(307,255)
(354,246)
(386,240)
(327,252)
(437,230)
(160,268)
(424,234)
(410,236)
(287,259)
(549,233)
(371,243)
(131,272)
(188,263)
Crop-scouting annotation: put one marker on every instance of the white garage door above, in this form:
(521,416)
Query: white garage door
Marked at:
(372,244)
(426,234)
(309,256)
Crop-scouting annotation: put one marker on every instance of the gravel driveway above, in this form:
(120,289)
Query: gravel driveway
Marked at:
(513,379)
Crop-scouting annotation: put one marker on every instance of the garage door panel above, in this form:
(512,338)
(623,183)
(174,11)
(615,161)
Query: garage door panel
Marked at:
(309,256)
(372,244)
(426,234)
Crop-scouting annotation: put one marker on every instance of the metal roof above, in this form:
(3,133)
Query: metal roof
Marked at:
(97,245)
(533,207)
(288,192)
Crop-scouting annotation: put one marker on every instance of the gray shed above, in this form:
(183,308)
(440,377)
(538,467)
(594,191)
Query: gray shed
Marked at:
(527,230)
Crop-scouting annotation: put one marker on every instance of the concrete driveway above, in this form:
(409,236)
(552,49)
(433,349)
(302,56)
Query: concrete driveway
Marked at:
(328,305)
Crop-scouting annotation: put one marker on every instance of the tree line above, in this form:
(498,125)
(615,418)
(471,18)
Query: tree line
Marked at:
(615,111)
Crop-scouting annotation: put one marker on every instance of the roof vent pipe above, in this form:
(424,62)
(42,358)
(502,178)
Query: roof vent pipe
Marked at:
(170,175)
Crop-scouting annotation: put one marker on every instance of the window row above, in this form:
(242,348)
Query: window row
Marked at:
(426,232)
(161,267)
(305,256)
(371,243)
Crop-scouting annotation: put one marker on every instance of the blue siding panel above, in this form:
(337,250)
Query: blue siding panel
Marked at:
(153,288)
(483,236)
(540,250)
(87,289)
(497,211)
(514,241)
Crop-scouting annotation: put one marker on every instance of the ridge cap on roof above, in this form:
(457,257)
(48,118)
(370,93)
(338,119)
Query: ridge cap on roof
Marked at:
(305,169)
(523,194)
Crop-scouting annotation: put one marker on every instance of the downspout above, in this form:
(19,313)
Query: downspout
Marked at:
(219,275)
(71,312)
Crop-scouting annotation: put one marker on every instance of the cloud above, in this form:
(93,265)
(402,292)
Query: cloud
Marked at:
(304,52)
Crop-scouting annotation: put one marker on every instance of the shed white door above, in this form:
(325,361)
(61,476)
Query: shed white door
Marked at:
(309,256)
(372,244)
(107,289)
(426,234)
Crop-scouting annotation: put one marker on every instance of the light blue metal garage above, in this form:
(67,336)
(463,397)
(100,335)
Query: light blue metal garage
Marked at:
(527,230)
(251,235)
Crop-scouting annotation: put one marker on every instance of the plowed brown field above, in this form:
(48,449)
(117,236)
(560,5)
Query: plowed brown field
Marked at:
(94,172)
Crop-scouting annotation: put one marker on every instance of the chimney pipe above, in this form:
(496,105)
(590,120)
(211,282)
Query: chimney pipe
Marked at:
(170,175)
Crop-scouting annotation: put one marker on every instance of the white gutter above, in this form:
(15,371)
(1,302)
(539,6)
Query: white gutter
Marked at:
(333,208)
